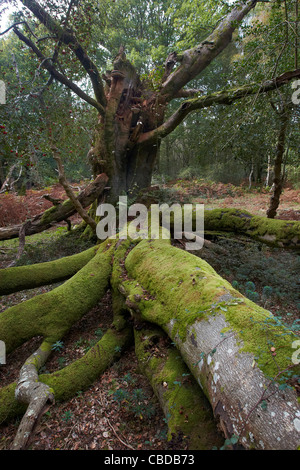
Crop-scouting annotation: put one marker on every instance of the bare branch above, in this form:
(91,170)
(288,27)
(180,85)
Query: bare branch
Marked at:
(195,60)
(63,181)
(16,24)
(58,75)
(68,38)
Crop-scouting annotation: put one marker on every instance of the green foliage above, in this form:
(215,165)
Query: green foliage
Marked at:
(67,416)
(216,145)
(135,402)
(57,346)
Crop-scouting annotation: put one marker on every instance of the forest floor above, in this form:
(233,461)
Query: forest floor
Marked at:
(95,419)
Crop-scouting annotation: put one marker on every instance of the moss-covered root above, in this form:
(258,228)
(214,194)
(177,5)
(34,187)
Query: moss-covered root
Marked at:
(19,278)
(186,409)
(239,353)
(50,315)
(77,376)
(36,394)
(274,232)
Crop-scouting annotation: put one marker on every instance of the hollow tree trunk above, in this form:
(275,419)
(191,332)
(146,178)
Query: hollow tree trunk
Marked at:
(131,108)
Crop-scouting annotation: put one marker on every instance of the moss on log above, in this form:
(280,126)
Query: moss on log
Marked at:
(187,411)
(18,278)
(51,314)
(84,371)
(274,232)
(239,353)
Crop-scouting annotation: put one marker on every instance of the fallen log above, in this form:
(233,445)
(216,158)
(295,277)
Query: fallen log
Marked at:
(239,353)
(59,212)
(274,232)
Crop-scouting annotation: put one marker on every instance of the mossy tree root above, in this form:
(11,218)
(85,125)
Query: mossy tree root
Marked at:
(186,409)
(75,377)
(50,315)
(18,278)
(274,232)
(225,340)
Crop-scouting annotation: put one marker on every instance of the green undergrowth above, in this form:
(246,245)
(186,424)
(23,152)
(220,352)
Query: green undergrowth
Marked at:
(267,276)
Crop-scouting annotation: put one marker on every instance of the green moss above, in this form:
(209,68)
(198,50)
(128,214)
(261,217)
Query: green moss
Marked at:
(51,314)
(274,232)
(80,374)
(28,277)
(51,214)
(186,409)
(182,289)
(9,406)
(77,376)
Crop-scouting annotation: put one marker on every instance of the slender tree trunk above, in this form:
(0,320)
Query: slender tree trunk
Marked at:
(278,177)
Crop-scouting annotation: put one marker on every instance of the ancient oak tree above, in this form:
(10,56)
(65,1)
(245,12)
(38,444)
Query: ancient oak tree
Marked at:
(161,295)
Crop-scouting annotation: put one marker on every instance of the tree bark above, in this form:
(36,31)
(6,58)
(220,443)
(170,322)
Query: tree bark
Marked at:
(224,339)
(278,176)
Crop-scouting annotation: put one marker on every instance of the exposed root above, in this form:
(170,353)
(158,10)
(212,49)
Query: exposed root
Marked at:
(52,314)
(37,395)
(187,411)
(77,376)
